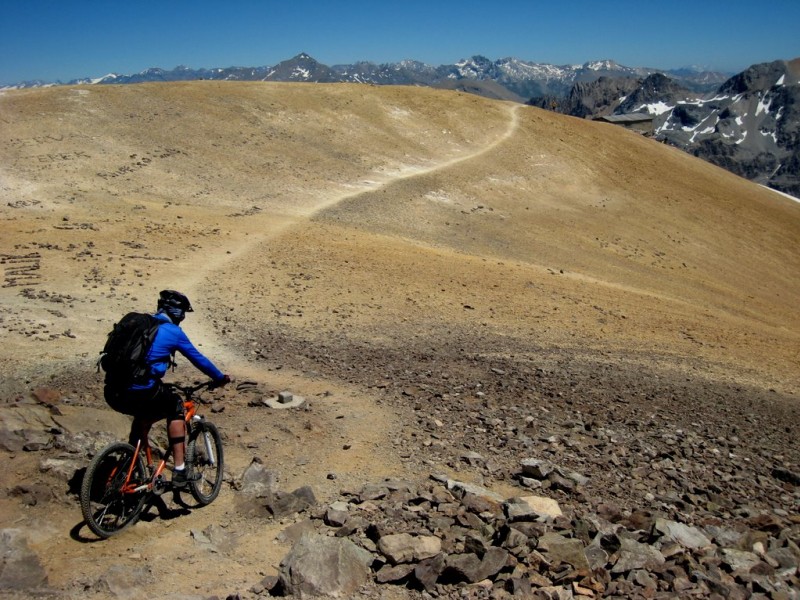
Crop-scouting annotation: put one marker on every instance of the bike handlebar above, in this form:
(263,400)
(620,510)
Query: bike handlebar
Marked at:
(188,390)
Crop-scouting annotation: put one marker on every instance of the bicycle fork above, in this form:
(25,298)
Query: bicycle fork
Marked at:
(208,442)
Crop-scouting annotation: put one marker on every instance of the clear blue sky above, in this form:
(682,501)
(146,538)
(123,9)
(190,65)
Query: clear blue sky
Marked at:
(67,39)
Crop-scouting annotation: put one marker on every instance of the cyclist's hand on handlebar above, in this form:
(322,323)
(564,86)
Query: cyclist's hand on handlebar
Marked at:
(221,382)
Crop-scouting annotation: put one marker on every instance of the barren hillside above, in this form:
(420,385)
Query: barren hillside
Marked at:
(386,251)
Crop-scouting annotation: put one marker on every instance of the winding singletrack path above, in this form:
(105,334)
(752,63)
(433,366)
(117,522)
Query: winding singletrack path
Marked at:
(275,225)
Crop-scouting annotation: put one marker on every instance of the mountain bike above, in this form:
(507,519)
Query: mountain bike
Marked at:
(122,478)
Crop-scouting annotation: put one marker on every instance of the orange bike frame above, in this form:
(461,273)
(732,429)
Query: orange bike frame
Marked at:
(127,487)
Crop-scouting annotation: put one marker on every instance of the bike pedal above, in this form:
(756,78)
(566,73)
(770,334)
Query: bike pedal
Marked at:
(160,485)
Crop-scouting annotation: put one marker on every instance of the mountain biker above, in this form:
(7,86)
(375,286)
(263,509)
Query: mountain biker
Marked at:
(149,400)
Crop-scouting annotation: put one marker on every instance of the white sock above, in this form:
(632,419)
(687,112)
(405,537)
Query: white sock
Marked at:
(179,467)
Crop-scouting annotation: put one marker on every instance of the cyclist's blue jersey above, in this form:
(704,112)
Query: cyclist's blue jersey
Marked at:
(170,339)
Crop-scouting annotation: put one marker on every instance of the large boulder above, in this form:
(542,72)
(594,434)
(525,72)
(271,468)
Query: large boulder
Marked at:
(635,555)
(403,547)
(258,480)
(532,508)
(20,568)
(560,549)
(686,536)
(325,566)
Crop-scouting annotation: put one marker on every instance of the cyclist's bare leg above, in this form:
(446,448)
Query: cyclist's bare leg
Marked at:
(176,431)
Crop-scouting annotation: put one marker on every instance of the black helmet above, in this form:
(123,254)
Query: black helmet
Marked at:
(173,299)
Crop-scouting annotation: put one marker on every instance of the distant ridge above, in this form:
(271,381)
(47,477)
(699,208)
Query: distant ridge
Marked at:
(522,78)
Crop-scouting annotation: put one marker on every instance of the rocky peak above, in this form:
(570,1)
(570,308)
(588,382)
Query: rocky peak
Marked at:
(755,78)
(653,89)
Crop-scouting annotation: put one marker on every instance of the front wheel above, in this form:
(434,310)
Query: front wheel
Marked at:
(107,501)
(204,456)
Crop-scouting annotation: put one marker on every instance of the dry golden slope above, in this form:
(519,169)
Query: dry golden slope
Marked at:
(381,212)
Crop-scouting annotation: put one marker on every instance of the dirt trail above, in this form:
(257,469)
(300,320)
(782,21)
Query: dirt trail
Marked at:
(410,172)
(275,226)
(342,439)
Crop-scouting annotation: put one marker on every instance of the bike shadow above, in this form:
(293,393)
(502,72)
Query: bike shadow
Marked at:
(163,512)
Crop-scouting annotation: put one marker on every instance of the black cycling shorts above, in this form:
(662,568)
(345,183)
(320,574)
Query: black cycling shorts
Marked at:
(153,404)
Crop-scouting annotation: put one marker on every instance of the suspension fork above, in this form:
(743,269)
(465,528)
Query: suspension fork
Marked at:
(207,441)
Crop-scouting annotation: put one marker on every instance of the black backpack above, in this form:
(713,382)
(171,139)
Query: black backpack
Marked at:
(123,356)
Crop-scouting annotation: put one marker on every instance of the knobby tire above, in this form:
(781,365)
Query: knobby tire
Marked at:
(210,465)
(106,509)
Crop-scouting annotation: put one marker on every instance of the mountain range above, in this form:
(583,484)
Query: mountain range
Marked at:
(747,123)
(520,79)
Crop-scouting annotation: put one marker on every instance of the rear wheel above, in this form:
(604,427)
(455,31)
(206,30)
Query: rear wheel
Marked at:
(107,507)
(204,456)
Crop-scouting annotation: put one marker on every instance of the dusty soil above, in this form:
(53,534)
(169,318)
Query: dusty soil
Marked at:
(396,256)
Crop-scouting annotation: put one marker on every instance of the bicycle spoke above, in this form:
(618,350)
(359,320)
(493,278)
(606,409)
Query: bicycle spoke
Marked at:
(107,504)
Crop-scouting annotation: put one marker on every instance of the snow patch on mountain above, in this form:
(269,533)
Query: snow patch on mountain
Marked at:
(601,65)
(657,108)
(763,105)
(111,77)
(301,73)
